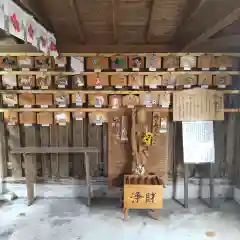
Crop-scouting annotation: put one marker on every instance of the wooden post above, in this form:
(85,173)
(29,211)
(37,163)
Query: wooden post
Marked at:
(88,178)
(63,158)
(45,142)
(78,141)
(54,157)
(3,160)
(30,169)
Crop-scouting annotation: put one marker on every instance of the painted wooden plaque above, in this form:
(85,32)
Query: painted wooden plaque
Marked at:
(60,62)
(61,99)
(149,99)
(27,118)
(25,62)
(44,99)
(43,81)
(97,118)
(130,101)
(205,79)
(78,98)
(165,99)
(170,80)
(61,81)
(11,118)
(153,81)
(45,118)
(26,81)
(9,81)
(78,81)
(115,101)
(43,62)
(135,81)
(222,80)
(186,79)
(78,115)
(153,62)
(205,61)
(26,99)
(97,63)
(97,79)
(222,62)
(119,62)
(97,100)
(119,81)
(10,99)
(136,62)
(8,62)
(62,118)
(188,62)
(171,62)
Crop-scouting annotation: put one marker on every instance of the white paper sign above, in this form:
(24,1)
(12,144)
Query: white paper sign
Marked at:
(3,10)
(198,142)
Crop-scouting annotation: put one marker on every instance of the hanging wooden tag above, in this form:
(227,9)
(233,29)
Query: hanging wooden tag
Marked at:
(171,62)
(135,81)
(136,62)
(97,80)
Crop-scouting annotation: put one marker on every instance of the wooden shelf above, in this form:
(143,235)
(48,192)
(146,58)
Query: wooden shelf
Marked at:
(75,109)
(37,54)
(56,73)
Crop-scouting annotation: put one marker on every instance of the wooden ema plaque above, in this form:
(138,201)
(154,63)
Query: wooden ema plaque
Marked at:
(205,61)
(187,80)
(9,99)
(205,79)
(78,98)
(222,62)
(8,62)
(115,101)
(97,100)
(60,62)
(97,79)
(135,81)
(26,99)
(198,104)
(136,62)
(9,81)
(97,118)
(44,99)
(97,63)
(26,81)
(11,118)
(43,81)
(153,81)
(62,118)
(153,62)
(118,81)
(25,62)
(27,118)
(188,62)
(119,62)
(45,118)
(43,62)
(61,81)
(78,115)
(149,99)
(78,81)
(171,62)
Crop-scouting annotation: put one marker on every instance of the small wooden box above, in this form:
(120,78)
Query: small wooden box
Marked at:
(78,98)
(44,99)
(27,118)
(9,81)
(25,62)
(136,62)
(135,80)
(97,63)
(11,118)
(119,62)
(171,62)
(119,80)
(10,99)
(205,61)
(97,79)
(26,81)
(8,62)
(62,118)
(26,99)
(205,79)
(43,62)
(153,62)
(143,192)
(43,81)
(45,118)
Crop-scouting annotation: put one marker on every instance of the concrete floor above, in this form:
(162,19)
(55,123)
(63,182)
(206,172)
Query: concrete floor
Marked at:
(69,219)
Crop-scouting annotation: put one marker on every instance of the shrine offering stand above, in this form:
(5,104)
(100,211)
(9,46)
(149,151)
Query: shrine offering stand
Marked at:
(143,192)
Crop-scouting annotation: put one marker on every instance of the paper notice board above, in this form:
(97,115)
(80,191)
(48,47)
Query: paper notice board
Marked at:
(198,142)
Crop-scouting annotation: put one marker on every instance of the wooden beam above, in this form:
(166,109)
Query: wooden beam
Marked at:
(17,48)
(150,16)
(114,19)
(79,48)
(228,20)
(214,11)
(79,20)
